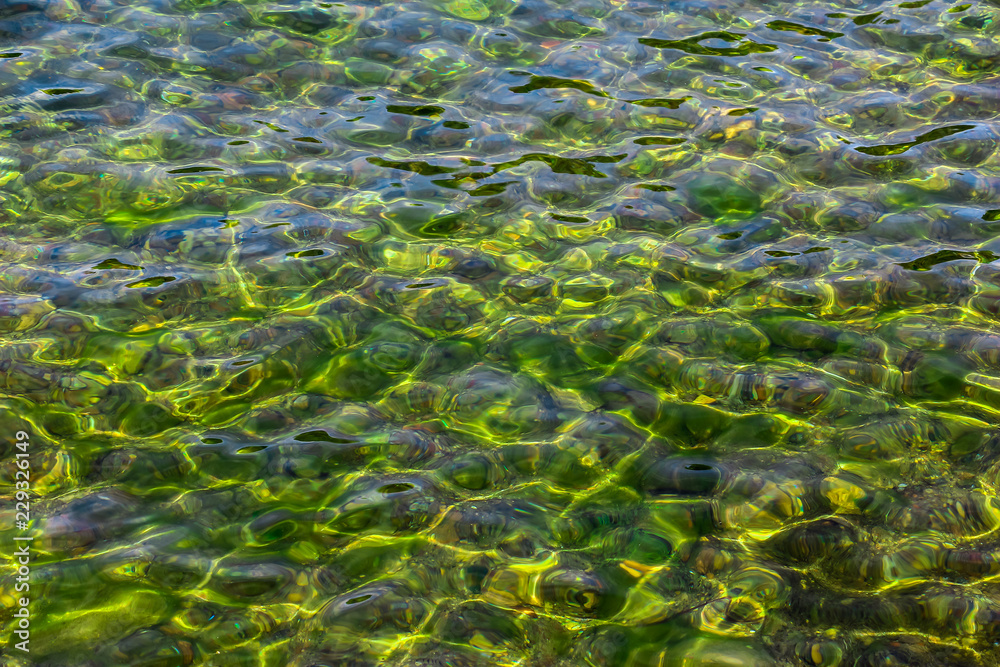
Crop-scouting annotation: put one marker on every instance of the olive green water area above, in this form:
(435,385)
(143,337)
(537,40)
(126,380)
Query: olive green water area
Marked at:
(603,333)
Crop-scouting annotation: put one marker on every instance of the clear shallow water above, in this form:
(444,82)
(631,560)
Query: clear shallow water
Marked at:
(503,333)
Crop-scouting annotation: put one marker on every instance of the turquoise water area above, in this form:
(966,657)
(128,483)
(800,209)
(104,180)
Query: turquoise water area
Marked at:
(518,333)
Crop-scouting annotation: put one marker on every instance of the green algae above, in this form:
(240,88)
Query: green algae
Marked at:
(480,333)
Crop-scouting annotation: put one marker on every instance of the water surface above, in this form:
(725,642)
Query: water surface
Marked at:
(486,332)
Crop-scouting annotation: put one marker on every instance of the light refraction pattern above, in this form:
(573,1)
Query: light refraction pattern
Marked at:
(534,333)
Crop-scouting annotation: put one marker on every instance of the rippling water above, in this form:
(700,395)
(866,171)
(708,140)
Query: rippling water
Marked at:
(481,332)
